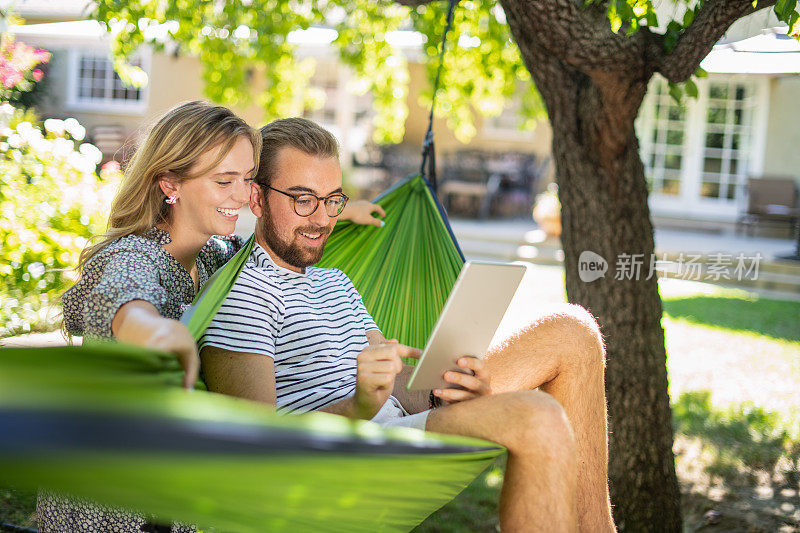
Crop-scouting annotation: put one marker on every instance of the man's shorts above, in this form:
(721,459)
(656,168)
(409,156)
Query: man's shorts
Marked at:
(392,414)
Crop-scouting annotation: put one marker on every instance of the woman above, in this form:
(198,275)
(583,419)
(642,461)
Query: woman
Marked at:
(181,191)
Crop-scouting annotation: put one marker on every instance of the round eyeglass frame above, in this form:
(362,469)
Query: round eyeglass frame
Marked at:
(317,201)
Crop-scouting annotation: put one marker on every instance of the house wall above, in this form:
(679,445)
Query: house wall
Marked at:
(782,157)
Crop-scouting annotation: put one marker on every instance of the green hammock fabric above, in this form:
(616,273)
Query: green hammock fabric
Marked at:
(213,293)
(107,421)
(404,270)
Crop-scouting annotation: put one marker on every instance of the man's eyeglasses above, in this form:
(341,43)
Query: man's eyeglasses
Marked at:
(306,203)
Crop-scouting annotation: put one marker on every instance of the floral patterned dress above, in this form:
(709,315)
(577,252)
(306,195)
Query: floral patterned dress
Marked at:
(130,268)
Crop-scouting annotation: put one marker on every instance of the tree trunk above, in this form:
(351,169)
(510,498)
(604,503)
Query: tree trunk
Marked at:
(603,195)
(644,488)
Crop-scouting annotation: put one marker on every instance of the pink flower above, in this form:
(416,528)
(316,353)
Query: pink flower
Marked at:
(37,74)
(42,56)
(12,78)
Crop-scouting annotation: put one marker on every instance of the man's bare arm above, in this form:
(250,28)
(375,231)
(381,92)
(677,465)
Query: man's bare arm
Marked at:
(244,375)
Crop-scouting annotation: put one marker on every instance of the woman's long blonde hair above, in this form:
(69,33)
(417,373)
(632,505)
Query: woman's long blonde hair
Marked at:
(172,147)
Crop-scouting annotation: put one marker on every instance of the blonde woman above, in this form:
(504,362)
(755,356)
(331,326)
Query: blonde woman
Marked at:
(169,229)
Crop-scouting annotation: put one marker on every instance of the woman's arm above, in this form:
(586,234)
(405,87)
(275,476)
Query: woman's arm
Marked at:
(138,322)
(360,212)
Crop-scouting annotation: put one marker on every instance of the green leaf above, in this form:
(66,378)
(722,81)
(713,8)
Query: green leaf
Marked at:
(652,19)
(691,88)
(688,17)
(784,8)
(794,29)
(700,73)
(676,92)
(613,17)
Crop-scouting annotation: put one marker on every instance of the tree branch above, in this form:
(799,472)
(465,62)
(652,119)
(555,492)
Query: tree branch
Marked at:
(576,34)
(709,25)
(413,3)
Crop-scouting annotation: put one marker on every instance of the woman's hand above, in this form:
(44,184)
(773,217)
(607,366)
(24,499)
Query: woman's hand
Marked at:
(138,322)
(473,383)
(360,212)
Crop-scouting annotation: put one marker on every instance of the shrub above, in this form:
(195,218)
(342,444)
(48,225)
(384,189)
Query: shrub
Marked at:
(22,67)
(51,202)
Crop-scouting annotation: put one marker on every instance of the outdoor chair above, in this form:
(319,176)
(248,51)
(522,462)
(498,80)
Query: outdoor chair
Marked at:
(486,183)
(770,200)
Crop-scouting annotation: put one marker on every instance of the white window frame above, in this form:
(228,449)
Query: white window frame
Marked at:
(689,203)
(75,103)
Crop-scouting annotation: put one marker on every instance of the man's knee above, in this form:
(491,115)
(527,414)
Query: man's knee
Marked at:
(535,424)
(574,328)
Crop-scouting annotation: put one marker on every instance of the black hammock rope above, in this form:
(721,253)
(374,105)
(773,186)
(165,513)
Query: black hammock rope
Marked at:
(428,151)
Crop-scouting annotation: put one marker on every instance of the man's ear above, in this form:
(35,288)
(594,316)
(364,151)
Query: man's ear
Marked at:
(169,184)
(257,200)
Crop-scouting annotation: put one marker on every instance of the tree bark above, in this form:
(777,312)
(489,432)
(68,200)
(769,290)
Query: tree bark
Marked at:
(603,194)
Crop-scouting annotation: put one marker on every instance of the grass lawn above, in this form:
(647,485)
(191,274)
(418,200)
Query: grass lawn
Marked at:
(734,368)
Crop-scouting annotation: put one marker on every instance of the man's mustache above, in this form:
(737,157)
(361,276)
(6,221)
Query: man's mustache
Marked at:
(324,230)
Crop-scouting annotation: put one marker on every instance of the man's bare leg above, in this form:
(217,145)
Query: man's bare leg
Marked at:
(539,489)
(563,355)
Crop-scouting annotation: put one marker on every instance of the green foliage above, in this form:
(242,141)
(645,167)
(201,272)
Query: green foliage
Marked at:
(247,54)
(381,67)
(479,43)
(51,202)
(741,437)
(247,51)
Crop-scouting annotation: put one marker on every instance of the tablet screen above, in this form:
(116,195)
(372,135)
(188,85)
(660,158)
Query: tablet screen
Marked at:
(469,320)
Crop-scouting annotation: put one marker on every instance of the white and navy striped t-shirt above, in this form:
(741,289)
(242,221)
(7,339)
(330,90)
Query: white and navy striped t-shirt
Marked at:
(313,325)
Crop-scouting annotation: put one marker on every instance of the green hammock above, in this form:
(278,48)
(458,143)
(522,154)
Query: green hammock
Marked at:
(404,270)
(107,421)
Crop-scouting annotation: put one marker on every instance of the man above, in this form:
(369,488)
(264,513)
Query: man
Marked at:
(298,337)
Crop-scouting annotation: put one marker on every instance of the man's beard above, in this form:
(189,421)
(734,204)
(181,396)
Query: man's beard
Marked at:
(291,252)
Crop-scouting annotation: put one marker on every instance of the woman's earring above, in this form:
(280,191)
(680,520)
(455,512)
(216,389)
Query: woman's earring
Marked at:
(171,199)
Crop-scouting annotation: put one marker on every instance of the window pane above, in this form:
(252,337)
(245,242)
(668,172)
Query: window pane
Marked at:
(714,140)
(712,164)
(675,137)
(672,161)
(98,81)
(671,187)
(662,155)
(718,91)
(710,189)
(675,113)
(717,115)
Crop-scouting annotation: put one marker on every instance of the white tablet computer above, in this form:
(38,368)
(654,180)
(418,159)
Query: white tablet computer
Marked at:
(469,320)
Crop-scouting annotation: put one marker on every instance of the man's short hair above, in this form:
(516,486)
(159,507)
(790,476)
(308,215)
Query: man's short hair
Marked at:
(298,133)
